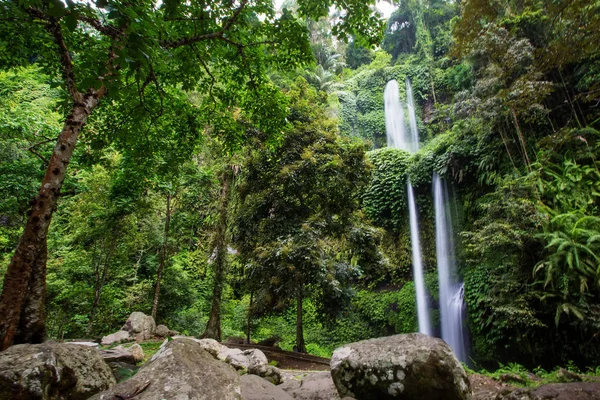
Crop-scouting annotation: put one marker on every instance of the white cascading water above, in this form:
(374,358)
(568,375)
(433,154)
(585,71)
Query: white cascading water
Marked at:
(452,305)
(394,118)
(422,310)
(398,138)
(412,116)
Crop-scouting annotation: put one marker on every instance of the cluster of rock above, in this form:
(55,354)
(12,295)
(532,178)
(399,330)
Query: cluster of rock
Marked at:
(406,367)
(139,327)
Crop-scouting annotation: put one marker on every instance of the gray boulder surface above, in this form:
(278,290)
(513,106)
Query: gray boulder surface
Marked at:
(52,371)
(252,360)
(411,366)
(181,369)
(272,374)
(485,388)
(567,391)
(313,386)
(257,388)
(162,331)
(211,346)
(117,337)
(136,351)
(140,326)
(118,354)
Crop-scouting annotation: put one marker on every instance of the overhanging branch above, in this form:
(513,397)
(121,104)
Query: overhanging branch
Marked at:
(53,27)
(207,36)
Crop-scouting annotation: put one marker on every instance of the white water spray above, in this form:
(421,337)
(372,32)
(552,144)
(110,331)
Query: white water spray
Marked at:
(412,117)
(394,118)
(397,137)
(452,305)
(422,310)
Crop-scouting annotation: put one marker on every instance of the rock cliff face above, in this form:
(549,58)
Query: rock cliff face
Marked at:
(412,366)
(52,371)
(181,369)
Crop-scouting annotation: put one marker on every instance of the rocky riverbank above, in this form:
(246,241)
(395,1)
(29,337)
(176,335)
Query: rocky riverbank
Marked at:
(410,367)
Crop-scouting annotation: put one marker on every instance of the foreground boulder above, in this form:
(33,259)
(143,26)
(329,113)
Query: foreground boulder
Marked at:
(181,369)
(412,366)
(140,326)
(53,371)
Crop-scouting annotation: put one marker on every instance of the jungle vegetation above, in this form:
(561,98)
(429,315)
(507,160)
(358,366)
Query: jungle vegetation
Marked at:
(222,166)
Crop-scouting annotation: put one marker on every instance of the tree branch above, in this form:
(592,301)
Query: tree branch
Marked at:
(212,77)
(107,30)
(41,157)
(207,36)
(53,27)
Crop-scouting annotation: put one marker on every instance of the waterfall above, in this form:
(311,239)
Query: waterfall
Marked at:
(422,310)
(398,138)
(394,118)
(412,117)
(452,305)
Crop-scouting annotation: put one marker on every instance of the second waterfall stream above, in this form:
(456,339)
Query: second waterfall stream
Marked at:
(452,308)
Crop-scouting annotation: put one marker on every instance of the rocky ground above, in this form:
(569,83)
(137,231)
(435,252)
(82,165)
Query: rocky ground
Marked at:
(409,367)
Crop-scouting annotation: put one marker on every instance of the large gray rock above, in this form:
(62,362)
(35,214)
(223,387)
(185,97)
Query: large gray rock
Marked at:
(226,353)
(181,369)
(313,386)
(52,371)
(256,388)
(272,374)
(212,346)
(412,366)
(252,360)
(162,331)
(567,391)
(116,338)
(136,351)
(118,354)
(140,326)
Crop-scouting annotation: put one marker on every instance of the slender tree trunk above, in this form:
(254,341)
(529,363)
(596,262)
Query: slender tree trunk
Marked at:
(521,138)
(101,278)
(300,345)
(213,327)
(507,149)
(24,292)
(163,256)
(249,318)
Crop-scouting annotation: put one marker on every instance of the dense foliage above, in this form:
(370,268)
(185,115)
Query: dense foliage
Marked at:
(250,166)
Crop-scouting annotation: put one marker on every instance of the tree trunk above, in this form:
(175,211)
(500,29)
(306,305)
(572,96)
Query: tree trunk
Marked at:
(213,327)
(300,346)
(163,256)
(521,138)
(249,318)
(101,278)
(24,292)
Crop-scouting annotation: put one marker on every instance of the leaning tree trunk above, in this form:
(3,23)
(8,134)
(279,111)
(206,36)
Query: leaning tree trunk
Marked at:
(300,345)
(213,327)
(23,296)
(163,256)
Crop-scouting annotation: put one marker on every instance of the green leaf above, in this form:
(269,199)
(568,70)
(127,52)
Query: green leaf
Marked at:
(71,21)
(56,8)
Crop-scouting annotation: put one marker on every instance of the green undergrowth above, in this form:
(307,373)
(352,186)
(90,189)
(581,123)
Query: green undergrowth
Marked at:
(150,348)
(523,377)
